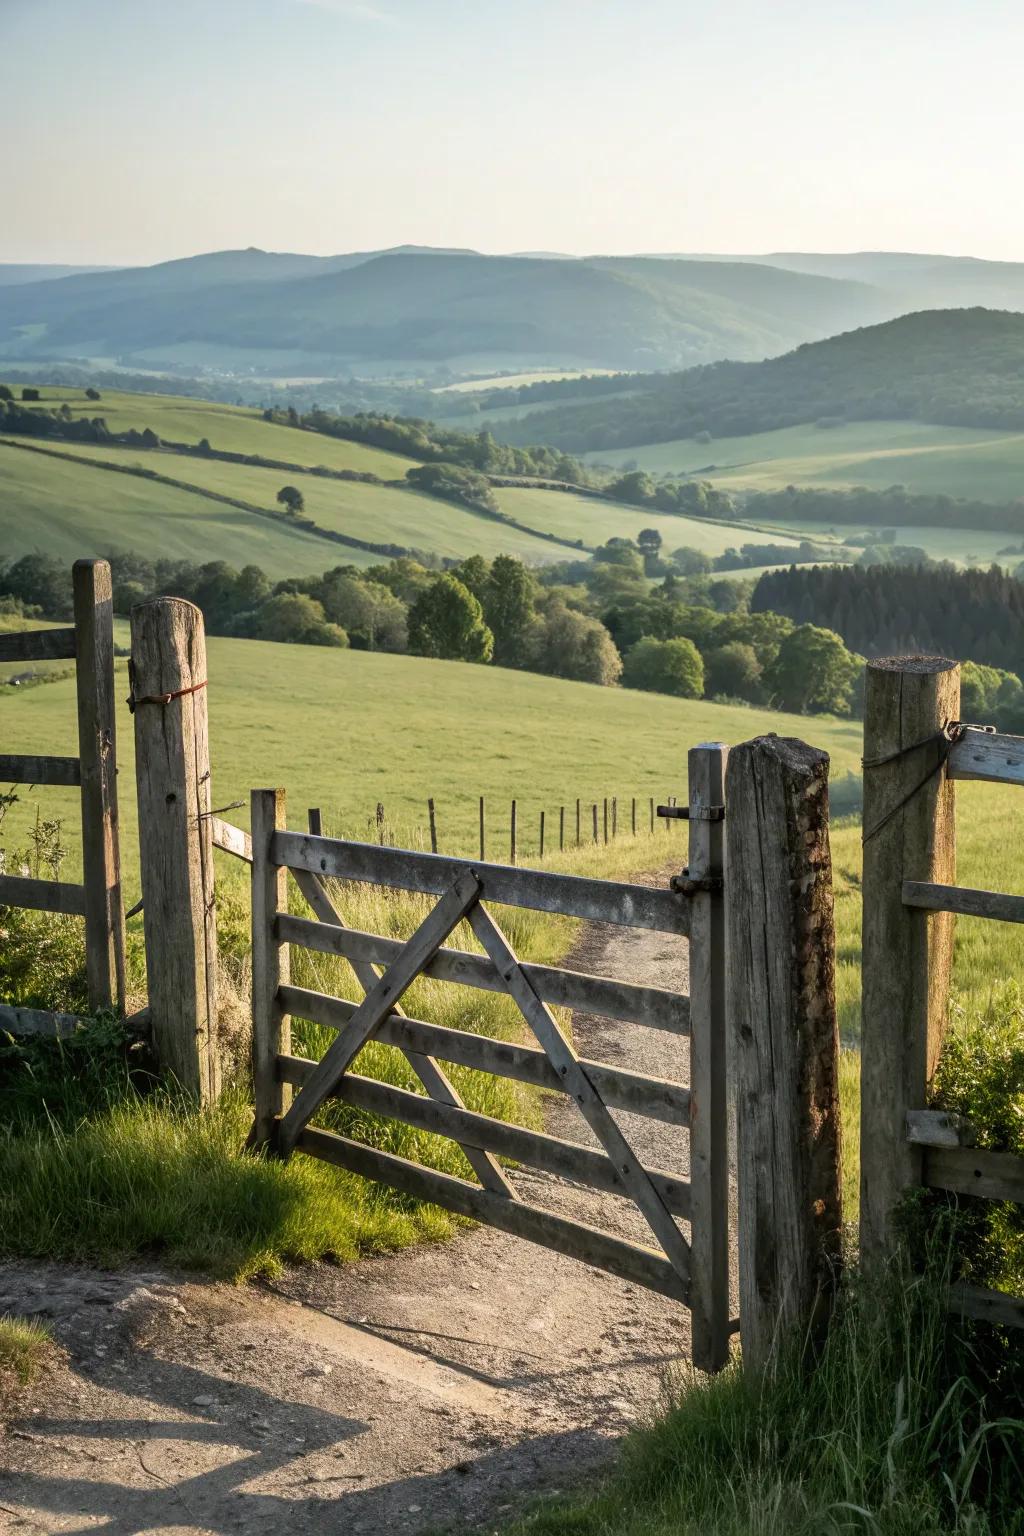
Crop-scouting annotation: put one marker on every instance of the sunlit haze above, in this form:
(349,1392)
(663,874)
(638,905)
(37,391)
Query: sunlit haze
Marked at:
(138,130)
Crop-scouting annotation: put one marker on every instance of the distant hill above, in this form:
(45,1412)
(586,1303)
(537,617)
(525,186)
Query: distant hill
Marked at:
(15,273)
(952,367)
(414,309)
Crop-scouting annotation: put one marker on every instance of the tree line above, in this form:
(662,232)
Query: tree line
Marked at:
(594,620)
(883,610)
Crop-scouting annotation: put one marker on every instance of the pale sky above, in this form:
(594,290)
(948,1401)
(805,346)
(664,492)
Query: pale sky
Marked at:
(139,130)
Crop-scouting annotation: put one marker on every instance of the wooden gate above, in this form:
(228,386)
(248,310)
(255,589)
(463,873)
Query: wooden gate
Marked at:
(695,1269)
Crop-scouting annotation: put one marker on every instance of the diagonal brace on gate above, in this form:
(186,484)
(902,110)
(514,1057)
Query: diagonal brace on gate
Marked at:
(575,1081)
(433,1077)
(376,1005)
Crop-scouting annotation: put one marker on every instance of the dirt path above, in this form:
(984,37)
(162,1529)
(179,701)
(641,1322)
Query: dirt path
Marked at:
(429,1390)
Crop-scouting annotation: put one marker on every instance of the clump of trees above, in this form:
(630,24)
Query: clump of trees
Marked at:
(418,438)
(887,609)
(451,482)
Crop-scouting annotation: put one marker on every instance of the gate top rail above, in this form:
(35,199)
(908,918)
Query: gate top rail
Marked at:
(602,901)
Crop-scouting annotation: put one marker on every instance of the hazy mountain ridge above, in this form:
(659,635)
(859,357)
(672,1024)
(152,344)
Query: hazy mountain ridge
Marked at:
(430,307)
(952,367)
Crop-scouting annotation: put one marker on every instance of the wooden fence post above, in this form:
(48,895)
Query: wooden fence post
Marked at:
(595,822)
(577,823)
(512,835)
(271,1026)
(652,815)
(483,830)
(784,1030)
(172,764)
(97,752)
(909,834)
(561,828)
(709,1142)
(542,834)
(433,825)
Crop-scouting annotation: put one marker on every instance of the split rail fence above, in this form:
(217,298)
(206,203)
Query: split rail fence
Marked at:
(758,884)
(916,751)
(89,642)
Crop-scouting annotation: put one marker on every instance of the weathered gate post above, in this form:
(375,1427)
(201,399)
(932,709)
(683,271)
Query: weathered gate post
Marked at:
(172,764)
(97,755)
(909,834)
(784,1031)
(709,1144)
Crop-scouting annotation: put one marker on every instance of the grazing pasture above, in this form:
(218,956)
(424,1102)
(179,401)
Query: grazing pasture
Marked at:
(234,429)
(594,520)
(957,461)
(376,513)
(72,510)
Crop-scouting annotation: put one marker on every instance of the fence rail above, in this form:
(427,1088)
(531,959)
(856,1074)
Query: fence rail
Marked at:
(624,1000)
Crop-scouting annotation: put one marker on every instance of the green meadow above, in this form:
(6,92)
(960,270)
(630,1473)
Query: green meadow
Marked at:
(235,429)
(377,513)
(73,510)
(957,461)
(594,520)
(322,724)
(346,729)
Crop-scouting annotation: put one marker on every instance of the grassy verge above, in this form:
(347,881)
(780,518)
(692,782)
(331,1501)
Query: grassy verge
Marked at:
(24,1347)
(885,1434)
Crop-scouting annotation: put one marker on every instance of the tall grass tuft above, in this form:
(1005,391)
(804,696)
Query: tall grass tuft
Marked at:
(885,1432)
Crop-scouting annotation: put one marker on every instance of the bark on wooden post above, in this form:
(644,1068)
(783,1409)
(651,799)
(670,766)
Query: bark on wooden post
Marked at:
(271,1026)
(172,759)
(906,953)
(709,1147)
(784,1031)
(97,752)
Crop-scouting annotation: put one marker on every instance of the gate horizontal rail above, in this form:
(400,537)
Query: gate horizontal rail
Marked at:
(551,1154)
(624,1000)
(601,901)
(654,1098)
(630,1261)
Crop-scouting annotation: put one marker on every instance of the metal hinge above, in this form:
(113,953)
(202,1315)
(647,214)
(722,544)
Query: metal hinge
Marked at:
(692,813)
(685,885)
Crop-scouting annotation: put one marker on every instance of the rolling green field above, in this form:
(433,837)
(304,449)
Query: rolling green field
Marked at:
(377,513)
(956,461)
(594,521)
(322,723)
(234,429)
(965,546)
(73,510)
(345,729)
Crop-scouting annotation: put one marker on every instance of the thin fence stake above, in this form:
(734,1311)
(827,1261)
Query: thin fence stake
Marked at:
(483,838)
(315,821)
(561,828)
(542,834)
(577,822)
(380,823)
(606,819)
(433,825)
(615,816)
(652,815)
(634,816)
(512,835)
(596,839)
